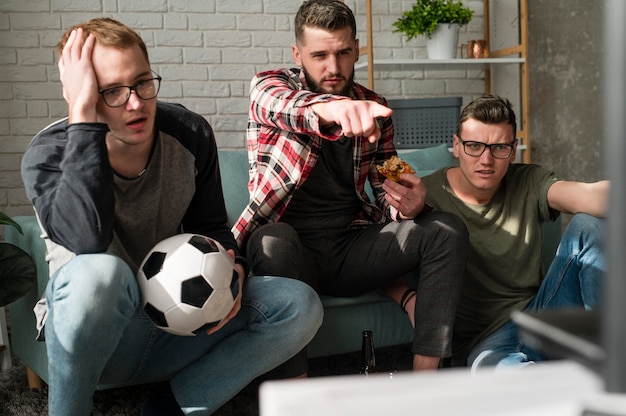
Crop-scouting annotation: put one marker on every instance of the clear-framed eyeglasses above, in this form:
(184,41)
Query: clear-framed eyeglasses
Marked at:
(498,150)
(146,89)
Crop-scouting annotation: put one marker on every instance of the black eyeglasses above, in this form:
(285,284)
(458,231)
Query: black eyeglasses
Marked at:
(145,89)
(498,150)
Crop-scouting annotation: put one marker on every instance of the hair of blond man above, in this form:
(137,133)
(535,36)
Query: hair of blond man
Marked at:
(108,32)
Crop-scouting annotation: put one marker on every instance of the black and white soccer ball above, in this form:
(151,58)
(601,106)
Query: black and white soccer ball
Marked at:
(188,283)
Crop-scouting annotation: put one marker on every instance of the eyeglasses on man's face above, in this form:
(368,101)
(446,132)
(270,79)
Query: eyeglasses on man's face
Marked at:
(498,150)
(145,89)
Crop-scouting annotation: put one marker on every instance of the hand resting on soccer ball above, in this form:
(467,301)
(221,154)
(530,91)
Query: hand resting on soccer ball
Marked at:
(190,284)
(237,304)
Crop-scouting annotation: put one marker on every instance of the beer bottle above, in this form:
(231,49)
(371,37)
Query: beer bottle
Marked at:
(368,357)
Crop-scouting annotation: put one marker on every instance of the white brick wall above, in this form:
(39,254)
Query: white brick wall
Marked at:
(206,51)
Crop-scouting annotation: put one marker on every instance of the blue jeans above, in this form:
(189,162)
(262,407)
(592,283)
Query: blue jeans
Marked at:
(97,333)
(573,280)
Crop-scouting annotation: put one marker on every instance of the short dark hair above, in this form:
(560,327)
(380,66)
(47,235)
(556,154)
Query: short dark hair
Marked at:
(329,15)
(489,109)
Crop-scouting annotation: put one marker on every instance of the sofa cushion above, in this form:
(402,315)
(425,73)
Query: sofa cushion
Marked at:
(234,172)
(426,160)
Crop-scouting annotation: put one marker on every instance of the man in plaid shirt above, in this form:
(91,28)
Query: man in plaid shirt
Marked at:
(314,139)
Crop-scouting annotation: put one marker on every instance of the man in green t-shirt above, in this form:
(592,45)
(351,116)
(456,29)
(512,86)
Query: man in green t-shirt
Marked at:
(504,205)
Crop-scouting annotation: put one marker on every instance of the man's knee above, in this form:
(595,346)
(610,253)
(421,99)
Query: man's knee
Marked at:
(94,276)
(448,228)
(272,239)
(587,224)
(88,283)
(450,222)
(583,236)
(274,249)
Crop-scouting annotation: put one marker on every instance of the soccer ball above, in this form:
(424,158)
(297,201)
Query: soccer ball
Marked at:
(188,283)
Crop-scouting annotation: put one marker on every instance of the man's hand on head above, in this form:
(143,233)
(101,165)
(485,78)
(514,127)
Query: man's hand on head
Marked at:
(80,86)
(356,117)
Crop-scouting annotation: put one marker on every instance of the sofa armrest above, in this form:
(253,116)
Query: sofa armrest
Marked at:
(33,244)
(23,328)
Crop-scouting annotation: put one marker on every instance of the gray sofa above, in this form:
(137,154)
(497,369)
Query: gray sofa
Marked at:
(344,318)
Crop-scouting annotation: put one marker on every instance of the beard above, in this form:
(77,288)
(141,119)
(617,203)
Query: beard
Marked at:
(316,87)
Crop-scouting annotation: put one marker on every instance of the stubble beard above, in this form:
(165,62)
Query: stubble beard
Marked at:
(317,88)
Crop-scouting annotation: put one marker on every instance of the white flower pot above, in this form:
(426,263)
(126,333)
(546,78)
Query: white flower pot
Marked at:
(443,41)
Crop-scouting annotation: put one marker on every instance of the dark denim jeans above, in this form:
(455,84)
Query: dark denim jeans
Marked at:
(352,261)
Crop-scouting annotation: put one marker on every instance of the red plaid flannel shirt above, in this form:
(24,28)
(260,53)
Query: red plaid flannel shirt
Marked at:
(283,141)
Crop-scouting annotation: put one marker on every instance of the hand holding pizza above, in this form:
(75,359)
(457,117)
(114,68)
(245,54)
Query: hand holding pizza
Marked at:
(408,195)
(393,167)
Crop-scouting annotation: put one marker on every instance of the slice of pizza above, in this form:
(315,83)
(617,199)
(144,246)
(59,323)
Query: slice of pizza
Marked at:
(393,167)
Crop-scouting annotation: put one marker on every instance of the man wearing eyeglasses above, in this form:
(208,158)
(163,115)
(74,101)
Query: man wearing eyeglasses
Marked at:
(504,205)
(121,173)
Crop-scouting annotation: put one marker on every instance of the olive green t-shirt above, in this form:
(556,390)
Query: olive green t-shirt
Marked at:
(504,267)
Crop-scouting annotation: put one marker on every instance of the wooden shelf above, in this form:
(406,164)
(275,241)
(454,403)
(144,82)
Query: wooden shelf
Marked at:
(381,64)
(497,57)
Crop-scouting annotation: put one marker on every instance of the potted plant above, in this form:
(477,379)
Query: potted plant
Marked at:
(17,269)
(433,19)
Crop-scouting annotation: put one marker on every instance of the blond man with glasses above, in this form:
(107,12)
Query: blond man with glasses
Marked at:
(121,173)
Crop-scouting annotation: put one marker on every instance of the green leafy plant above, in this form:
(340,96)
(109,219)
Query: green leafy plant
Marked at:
(17,269)
(425,15)
(6,220)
